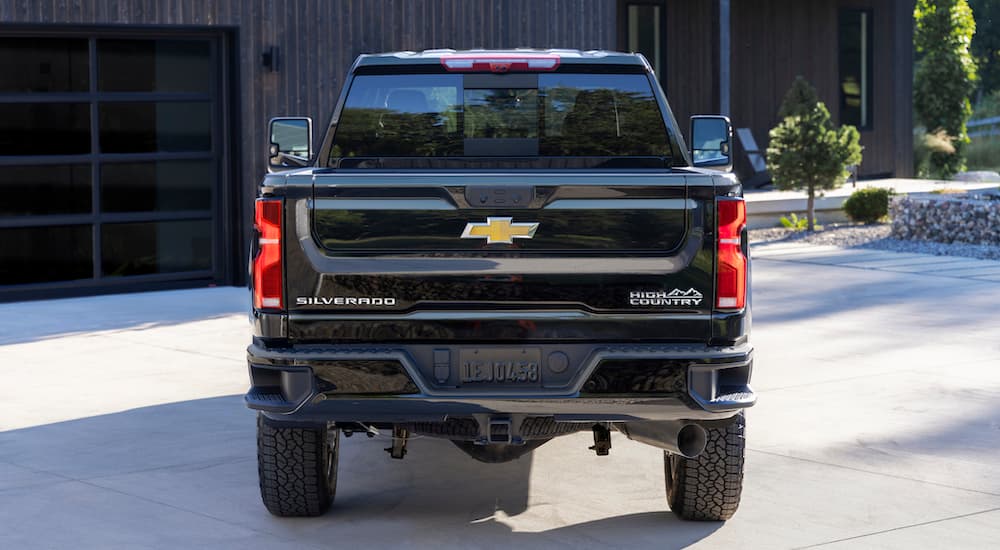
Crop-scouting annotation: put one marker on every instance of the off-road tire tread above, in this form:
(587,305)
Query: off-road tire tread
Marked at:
(708,487)
(290,466)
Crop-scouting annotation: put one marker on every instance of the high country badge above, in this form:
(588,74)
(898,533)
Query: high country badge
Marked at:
(675,297)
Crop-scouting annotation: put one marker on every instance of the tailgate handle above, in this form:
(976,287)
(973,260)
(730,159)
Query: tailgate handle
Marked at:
(499,196)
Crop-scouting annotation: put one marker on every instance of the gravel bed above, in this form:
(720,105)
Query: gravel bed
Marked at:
(875,236)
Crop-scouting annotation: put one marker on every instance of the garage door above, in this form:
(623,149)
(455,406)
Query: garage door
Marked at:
(111,162)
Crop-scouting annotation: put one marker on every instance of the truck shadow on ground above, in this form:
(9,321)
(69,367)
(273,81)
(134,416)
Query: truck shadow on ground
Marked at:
(198,457)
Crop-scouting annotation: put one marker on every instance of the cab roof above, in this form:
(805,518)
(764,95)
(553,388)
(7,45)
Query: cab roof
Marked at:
(567,57)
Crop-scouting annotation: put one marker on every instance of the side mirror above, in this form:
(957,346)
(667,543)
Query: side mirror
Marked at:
(712,142)
(290,143)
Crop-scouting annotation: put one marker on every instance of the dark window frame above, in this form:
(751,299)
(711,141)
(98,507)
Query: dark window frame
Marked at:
(223,154)
(623,34)
(868,89)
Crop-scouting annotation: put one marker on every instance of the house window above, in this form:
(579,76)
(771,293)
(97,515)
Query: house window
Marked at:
(644,27)
(856,68)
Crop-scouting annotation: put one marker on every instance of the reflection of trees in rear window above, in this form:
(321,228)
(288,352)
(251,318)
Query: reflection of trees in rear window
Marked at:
(401,116)
(601,115)
(501,113)
(570,114)
(372,132)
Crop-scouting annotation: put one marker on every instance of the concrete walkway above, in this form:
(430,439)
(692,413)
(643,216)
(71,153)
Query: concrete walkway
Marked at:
(878,426)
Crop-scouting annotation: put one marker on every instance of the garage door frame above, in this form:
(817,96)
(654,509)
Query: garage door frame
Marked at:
(225,211)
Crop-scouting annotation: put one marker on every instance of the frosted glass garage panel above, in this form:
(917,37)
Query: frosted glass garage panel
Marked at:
(41,64)
(45,190)
(157,186)
(40,129)
(156,247)
(154,65)
(149,127)
(45,254)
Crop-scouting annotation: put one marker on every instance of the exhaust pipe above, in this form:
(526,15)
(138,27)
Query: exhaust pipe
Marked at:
(678,437)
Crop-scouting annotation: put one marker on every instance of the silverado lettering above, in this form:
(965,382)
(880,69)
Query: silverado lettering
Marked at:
(343,301)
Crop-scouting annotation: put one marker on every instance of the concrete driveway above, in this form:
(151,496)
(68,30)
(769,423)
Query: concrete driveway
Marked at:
(122,426)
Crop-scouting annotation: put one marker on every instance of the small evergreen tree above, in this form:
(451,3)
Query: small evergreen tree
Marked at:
(806,151)
(945,77)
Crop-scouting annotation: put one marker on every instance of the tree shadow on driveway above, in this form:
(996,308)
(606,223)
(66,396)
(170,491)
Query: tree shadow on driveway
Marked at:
(195,460)
(950,433)
(37,320)
(797,292)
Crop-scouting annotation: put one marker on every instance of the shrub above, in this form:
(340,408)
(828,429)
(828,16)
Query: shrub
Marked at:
(807,151)
(868,205)
(793,221)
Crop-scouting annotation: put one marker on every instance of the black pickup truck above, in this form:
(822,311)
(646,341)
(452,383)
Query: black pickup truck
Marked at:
(498,248)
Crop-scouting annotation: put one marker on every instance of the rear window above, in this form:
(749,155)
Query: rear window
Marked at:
(515,115)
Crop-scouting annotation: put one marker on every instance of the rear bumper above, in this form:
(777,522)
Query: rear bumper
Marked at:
(413,383)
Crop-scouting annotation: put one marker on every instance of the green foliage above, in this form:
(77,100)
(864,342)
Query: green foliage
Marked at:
(986,44)
(806,151)
(800,100)
(868,205)
(945,77)
(793,221)
(925,144)
(600,122)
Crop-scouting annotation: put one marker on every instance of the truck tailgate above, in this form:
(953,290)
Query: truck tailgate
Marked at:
(426,244)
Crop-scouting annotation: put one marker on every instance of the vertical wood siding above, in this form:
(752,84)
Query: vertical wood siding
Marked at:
(692,78)
(773,41)
(902,87)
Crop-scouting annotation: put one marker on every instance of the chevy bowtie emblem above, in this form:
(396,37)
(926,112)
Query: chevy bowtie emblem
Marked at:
(499,230)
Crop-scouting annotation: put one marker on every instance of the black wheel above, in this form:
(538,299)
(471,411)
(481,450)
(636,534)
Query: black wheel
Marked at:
(708,487)
(297,467)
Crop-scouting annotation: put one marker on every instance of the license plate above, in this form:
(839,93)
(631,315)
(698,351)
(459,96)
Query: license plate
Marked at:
(518,366)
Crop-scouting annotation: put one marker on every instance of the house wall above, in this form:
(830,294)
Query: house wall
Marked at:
(902,87)
(773,41)
(692,79)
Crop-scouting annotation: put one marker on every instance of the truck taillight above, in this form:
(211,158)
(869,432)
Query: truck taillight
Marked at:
(731,267)
(501,63)
(267,269)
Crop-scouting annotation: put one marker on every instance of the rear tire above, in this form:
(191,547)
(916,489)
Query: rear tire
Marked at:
(708,486)
(297,468)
